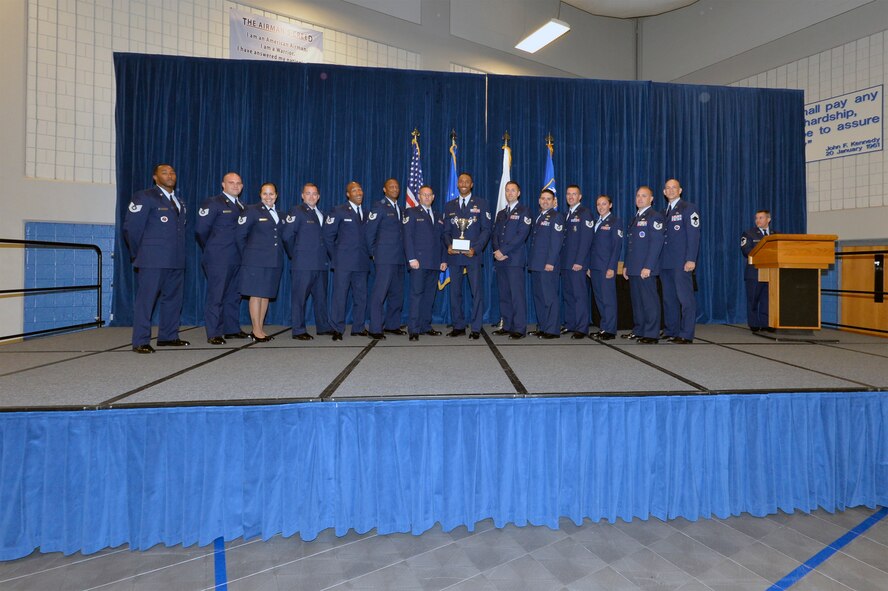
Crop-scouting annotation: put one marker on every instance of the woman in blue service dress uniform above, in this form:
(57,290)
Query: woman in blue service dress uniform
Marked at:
(259,233)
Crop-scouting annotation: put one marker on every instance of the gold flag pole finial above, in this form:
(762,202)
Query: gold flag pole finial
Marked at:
(550,142)
(415,134)
(506,138)
(452,136)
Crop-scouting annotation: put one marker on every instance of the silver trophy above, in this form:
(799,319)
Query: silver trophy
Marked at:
(461,244)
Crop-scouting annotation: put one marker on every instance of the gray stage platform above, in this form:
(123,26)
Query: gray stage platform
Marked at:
(96,368)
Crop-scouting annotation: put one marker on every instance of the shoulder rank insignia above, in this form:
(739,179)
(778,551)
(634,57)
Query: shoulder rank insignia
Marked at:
(590,224)
(291,219)
(135,208)
(658,225)
(203,212)
(330,219)
(371,216)
(241,220)
(695,219)
(558,227)
(743,241)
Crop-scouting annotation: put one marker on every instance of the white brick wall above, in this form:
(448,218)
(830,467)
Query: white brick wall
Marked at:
(851,182)
(70,125)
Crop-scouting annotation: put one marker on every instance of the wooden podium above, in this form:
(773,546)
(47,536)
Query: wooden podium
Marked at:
(790,264)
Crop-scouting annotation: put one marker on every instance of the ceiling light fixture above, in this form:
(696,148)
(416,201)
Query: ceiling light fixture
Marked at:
(546,34)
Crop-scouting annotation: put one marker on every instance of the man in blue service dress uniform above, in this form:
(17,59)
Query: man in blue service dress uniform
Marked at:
(304,243)
(545,254)
(607,246)
(346,243)
(510,232)
(385,240)
(677,263)
(474,208)
(424,248)
(756,291)
(579,229)
(644,243)
(154,230)
(216,233)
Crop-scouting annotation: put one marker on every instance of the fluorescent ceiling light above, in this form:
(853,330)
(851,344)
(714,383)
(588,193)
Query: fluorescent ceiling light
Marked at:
(546,34)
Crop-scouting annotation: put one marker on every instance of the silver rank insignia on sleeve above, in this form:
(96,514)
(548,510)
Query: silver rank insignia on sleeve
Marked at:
(330,219)
(620,233)
(695,219)
(488,214)
(241,220)
(658,225)
(406,219)
(372,216)
(590,224)
(558,227)
(134,208)
(203,212)
(527,220)
(291,219)
(743,241)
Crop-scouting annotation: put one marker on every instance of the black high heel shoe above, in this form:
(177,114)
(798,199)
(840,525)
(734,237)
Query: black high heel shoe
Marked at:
(256,339)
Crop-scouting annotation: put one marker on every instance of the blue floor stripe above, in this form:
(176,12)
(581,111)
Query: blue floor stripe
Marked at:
(821,557)
(221,574)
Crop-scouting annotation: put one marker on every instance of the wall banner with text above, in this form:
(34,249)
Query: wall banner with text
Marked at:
(256,37)
(845,125)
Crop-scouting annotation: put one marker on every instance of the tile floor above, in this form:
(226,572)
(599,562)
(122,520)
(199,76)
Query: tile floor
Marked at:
(738,553)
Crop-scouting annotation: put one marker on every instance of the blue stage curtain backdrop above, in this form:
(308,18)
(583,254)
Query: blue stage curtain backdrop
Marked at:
(83,481)
(285,123)
(735,150)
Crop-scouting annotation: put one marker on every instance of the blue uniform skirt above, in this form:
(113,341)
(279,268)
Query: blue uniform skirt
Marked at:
(260,282)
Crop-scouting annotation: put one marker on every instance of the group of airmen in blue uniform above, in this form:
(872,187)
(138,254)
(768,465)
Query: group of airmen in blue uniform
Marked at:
(576,248)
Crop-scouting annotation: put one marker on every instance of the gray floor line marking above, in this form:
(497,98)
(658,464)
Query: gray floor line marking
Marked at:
(337,381)
(691,383)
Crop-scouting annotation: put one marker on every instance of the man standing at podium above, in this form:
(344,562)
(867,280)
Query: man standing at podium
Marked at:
(756,291)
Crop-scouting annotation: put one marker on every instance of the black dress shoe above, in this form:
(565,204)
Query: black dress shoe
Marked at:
(547,336)
(755,328)
(605,336)
(376,336)
(578,335)
(395,331)
(457,332)
(668,339)
(173,343)
(501,332)
(648,341)
(303,337)
(337,336)
(433,333)
(237,335)
(516,335)
(534,333)
(216,341)
(475,335)
(413,337)
(681,341)
(629,335)
(325,333)
(264,339)
(564,330)
(362,333)
(143,349)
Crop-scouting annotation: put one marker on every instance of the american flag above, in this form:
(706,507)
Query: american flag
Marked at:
(414,181)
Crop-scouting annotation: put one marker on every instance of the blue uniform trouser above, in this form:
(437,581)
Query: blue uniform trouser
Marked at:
(222,309)
(605,292)
(645,306)
(151,284)
(575,289)
(388,291)
(679,303)
(343,282)
(423,285)
(457,312)
(756,303)
(512,298)
(545,300)
(306,283)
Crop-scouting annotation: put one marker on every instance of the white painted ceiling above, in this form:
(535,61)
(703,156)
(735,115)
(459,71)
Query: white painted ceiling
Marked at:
(628,8)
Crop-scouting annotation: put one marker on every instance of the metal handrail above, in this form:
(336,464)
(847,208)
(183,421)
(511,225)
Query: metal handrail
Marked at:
(29,290)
